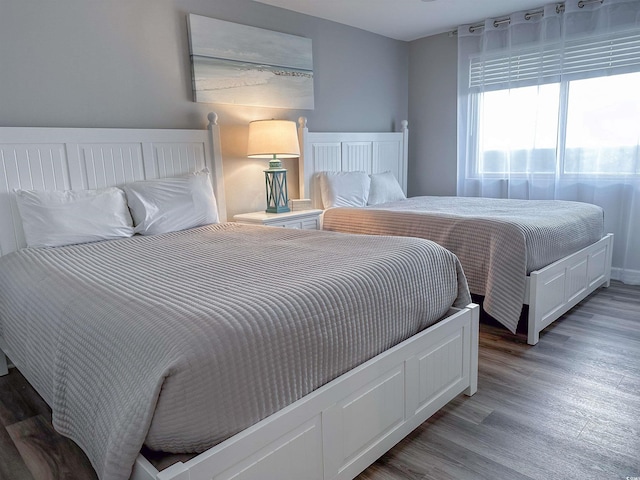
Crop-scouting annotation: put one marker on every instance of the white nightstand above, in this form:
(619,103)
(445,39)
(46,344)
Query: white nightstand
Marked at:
(302,219)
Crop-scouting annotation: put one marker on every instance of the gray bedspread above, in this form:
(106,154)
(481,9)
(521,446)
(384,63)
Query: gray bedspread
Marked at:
(498,241)
(181,340)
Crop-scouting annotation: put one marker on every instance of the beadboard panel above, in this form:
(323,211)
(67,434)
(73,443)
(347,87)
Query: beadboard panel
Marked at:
(34,167)
(103,165)
(326,157)
(385,159)
(85,158)
(173,159)
(357,156)
(27,167)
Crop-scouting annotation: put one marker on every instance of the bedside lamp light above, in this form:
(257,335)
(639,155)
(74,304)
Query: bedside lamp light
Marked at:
(274,139)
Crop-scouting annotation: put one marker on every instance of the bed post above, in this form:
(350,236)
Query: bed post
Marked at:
(302,140)
(216,164)
(608,261)
(535,309)
(404,129)
(473,357)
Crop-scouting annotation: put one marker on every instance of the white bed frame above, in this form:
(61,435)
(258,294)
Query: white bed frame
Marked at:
(550,291)
(333,433)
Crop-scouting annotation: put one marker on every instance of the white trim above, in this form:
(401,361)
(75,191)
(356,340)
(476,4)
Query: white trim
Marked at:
(626,275)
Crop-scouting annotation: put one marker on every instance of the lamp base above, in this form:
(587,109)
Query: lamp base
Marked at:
(276,184)
(278,209)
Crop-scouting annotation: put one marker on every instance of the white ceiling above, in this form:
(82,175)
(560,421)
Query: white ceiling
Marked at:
(406,19)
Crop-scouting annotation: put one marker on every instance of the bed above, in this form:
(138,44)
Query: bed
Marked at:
(554,262)
(398,340)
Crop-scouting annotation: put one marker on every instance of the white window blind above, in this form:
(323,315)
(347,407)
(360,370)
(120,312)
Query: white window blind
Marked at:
(584,58)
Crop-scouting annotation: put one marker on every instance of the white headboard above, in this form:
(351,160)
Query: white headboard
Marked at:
(371,152)
(34,158)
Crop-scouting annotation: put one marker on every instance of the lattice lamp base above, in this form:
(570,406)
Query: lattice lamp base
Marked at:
(276,183)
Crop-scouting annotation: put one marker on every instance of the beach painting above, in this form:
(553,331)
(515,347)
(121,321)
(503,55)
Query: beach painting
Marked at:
(242,65)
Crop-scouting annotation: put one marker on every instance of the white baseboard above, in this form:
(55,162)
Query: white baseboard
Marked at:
(629,277)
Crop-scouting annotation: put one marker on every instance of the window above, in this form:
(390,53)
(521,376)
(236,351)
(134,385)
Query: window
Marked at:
(518,130)
(570,108)
(603,126)
(531,130)
(549,108)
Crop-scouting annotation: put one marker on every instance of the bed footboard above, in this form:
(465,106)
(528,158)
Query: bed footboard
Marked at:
(338,430)
(560,286)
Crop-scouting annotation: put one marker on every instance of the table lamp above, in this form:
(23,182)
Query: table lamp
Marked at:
(274,139)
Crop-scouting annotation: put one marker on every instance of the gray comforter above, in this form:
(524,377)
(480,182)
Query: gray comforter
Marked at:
(181,340)
(498,241)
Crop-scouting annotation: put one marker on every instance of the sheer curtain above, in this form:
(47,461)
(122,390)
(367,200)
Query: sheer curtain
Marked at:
(549,108)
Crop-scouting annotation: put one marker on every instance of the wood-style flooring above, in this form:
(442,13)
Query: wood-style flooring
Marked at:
(567,408)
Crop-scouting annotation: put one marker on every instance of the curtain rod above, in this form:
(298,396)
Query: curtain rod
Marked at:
(527,16)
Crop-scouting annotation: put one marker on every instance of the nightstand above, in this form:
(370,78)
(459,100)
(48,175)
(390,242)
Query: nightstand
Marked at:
(302,219)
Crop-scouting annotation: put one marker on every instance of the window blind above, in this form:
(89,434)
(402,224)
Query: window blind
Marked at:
(584,58)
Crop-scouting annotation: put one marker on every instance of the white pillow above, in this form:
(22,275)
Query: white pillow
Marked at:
(172,204)
(344,189)
(56,218)
(384,188)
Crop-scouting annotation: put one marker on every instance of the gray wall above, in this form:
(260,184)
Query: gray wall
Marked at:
(433,94)
(125,63)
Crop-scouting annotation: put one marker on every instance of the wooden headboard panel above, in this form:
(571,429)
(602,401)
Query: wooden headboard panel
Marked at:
(34,158)
(371,152)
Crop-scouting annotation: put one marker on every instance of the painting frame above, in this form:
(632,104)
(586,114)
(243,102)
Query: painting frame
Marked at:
(239,64)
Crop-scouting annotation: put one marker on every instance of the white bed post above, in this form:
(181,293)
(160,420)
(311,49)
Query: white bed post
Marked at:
(473,355)
(533,319)
(216,156)
(608,261)
(302,140)
(404,129)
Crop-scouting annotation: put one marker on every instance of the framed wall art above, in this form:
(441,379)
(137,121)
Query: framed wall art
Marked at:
(243,65)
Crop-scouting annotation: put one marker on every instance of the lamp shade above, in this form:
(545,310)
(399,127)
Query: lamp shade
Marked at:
(271,138)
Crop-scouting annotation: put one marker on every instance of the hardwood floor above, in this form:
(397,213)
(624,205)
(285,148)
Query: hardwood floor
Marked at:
(568,408)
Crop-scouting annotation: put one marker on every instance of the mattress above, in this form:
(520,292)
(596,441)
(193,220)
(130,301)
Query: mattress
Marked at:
(498,241)
(179,341)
